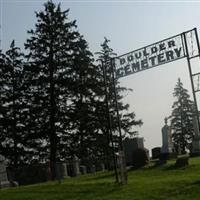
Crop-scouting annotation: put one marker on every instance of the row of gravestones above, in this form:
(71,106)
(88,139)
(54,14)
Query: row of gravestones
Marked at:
(167,150)
(73,168)
(41,172)
(167,144)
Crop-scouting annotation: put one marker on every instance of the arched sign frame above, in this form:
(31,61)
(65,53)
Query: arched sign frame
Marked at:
(184,45)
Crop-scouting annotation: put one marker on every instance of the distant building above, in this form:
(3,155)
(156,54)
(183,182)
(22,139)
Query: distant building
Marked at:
(131,144)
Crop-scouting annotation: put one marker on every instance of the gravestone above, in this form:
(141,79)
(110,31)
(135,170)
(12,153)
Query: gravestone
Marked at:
(102,167)
(83,169)
(61,170)
(167,145)
(64,170)
(93,169)
(4,183)
(182,161)
(156,152)
(130,145)
(76,167)
(3,173)
(48,173)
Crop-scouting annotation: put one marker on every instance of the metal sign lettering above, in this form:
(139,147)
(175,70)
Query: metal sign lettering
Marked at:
(150,56)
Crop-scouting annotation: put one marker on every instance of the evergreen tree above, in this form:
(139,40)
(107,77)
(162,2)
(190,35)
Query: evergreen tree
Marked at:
(59,62)
(82,107)
(182,119)
(107,102)
(12,114)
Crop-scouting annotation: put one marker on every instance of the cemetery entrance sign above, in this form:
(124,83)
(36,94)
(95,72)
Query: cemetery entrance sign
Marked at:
(184,45)
(150,56)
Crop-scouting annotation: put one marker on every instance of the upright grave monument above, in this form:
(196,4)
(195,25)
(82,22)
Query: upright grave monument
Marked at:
(167,145)
(4,183)
(3,173)
(76,167)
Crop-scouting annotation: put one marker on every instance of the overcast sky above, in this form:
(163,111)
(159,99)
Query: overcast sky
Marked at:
(129,25)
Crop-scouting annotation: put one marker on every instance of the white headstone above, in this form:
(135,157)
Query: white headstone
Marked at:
(167,145)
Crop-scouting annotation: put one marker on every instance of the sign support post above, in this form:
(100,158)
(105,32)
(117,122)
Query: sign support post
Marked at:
(191,75)
(110,137)
(121,156)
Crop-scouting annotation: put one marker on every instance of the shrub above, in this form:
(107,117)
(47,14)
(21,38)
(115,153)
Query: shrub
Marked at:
(140,158)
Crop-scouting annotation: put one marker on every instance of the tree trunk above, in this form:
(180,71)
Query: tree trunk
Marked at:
(53,137)
(14,120)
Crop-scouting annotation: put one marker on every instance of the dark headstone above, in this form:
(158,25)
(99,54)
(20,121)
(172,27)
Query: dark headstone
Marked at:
(156,152)
(93,169)
(130,145)
(102,167)
(140,158)
(83,169)
(182,161)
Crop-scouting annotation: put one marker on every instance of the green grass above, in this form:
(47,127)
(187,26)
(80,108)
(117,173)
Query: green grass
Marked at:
(149,183)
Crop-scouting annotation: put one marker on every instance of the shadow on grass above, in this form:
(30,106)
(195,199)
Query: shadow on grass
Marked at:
(101,188)
(133,168)
(175,167)
(196,182)
(78,190)
(157,165)
(100,176)
(94,191)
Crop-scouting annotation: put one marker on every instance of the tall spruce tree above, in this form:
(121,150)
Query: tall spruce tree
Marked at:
(13,143)
(82,107)
(182,119)
(53,46)
(107,102)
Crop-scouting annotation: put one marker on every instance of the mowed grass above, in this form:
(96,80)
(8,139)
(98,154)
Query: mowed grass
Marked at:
(149,183)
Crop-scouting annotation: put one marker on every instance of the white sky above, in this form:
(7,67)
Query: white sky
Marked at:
(129,25)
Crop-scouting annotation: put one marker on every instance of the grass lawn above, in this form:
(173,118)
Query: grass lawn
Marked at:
(150,183)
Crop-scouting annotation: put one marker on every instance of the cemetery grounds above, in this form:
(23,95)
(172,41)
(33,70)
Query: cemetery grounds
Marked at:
(149,183)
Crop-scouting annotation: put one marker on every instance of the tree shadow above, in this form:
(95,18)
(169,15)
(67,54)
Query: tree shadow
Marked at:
(99,177)
(196,182)
(175,167)
(157,164)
